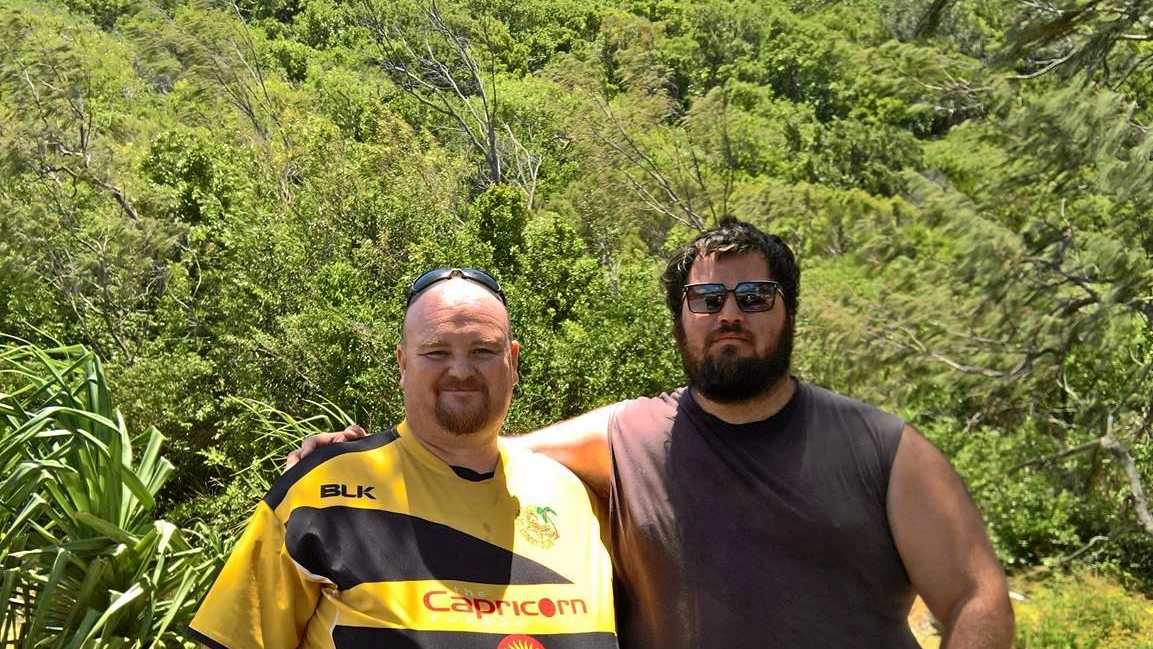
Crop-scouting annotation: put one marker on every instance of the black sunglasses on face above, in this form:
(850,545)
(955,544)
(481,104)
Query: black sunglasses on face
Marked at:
(439,274)
(751,296)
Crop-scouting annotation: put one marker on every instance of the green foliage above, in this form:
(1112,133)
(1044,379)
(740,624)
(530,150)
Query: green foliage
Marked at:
(712,42)
(225,205)
(196,172)
(1030,516)
(540,29)
(104,13)
(868,156)
(1083,611)
(499,217)
(83,561)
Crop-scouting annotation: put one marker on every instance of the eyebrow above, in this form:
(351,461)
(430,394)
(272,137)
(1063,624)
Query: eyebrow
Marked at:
(440,342)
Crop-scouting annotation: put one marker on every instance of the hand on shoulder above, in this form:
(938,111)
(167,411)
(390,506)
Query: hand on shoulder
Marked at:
(313,442)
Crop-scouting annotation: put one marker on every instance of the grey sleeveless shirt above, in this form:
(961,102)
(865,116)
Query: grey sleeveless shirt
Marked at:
(769,534)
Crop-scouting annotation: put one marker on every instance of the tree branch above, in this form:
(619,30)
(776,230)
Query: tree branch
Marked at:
(448,83)
(1049,459)
(632,153)
(1140,500)
(1108,443)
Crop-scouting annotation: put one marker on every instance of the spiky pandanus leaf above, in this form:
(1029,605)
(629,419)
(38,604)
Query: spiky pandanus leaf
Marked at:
(83,562)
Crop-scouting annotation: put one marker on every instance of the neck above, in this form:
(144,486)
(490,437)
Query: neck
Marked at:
(758,408)
(477,451)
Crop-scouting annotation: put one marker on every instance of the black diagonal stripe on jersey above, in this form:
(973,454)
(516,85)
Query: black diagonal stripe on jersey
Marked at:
(196,636)
(354,546)
(354,637)
(280,488)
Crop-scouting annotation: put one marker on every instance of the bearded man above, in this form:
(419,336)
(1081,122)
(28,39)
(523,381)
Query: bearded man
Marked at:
(435,534)
(753,509)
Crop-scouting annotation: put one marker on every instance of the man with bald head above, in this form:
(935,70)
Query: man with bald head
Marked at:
(433,534)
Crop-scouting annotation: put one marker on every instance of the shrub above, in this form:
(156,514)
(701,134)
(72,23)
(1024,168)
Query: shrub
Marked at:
(83,562)
(1082,611)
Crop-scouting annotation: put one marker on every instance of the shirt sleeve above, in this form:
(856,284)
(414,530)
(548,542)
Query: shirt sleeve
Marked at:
(261,599)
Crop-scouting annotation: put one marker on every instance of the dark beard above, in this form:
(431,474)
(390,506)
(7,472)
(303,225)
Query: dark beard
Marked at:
(728,378)
(465,421)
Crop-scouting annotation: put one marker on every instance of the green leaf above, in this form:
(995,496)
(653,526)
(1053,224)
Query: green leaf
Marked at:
(104,527)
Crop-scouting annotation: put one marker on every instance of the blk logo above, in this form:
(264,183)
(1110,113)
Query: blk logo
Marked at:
(344,491)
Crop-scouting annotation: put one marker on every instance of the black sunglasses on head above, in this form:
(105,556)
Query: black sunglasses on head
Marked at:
(751,296)
(435,275)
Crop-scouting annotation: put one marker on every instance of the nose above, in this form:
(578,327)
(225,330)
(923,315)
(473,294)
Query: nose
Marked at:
(461,367)
(730,312)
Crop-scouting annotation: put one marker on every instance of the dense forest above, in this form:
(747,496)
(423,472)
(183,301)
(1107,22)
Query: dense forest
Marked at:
(209,212)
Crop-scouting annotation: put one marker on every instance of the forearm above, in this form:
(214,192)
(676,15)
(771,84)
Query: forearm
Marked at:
(983,621)
(581,444)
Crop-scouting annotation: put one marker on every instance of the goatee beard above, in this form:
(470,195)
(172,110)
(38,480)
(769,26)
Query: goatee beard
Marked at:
(727,378)
(468,419)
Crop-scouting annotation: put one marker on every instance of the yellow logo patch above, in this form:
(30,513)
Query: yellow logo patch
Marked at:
(538,525)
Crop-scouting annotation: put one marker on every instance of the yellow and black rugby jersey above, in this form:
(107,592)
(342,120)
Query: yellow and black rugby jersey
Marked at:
(378,543)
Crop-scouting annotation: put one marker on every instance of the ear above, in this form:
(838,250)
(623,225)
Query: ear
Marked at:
(400,361)
(514,361)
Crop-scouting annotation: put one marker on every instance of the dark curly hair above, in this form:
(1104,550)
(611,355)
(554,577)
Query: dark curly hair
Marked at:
(733,237)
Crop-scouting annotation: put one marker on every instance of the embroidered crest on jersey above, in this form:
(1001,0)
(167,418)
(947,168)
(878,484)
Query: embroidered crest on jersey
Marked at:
(537,524)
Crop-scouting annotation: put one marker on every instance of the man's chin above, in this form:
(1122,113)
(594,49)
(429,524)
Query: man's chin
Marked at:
(463,421)
(728,350)
(729,393)
(727,372)
(736,390)
(732,378)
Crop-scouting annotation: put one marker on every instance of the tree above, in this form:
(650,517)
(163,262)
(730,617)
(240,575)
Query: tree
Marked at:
(1100,39)
(434,62)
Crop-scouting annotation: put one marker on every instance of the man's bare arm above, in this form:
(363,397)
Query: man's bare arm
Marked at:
(581,444)
(946,551)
